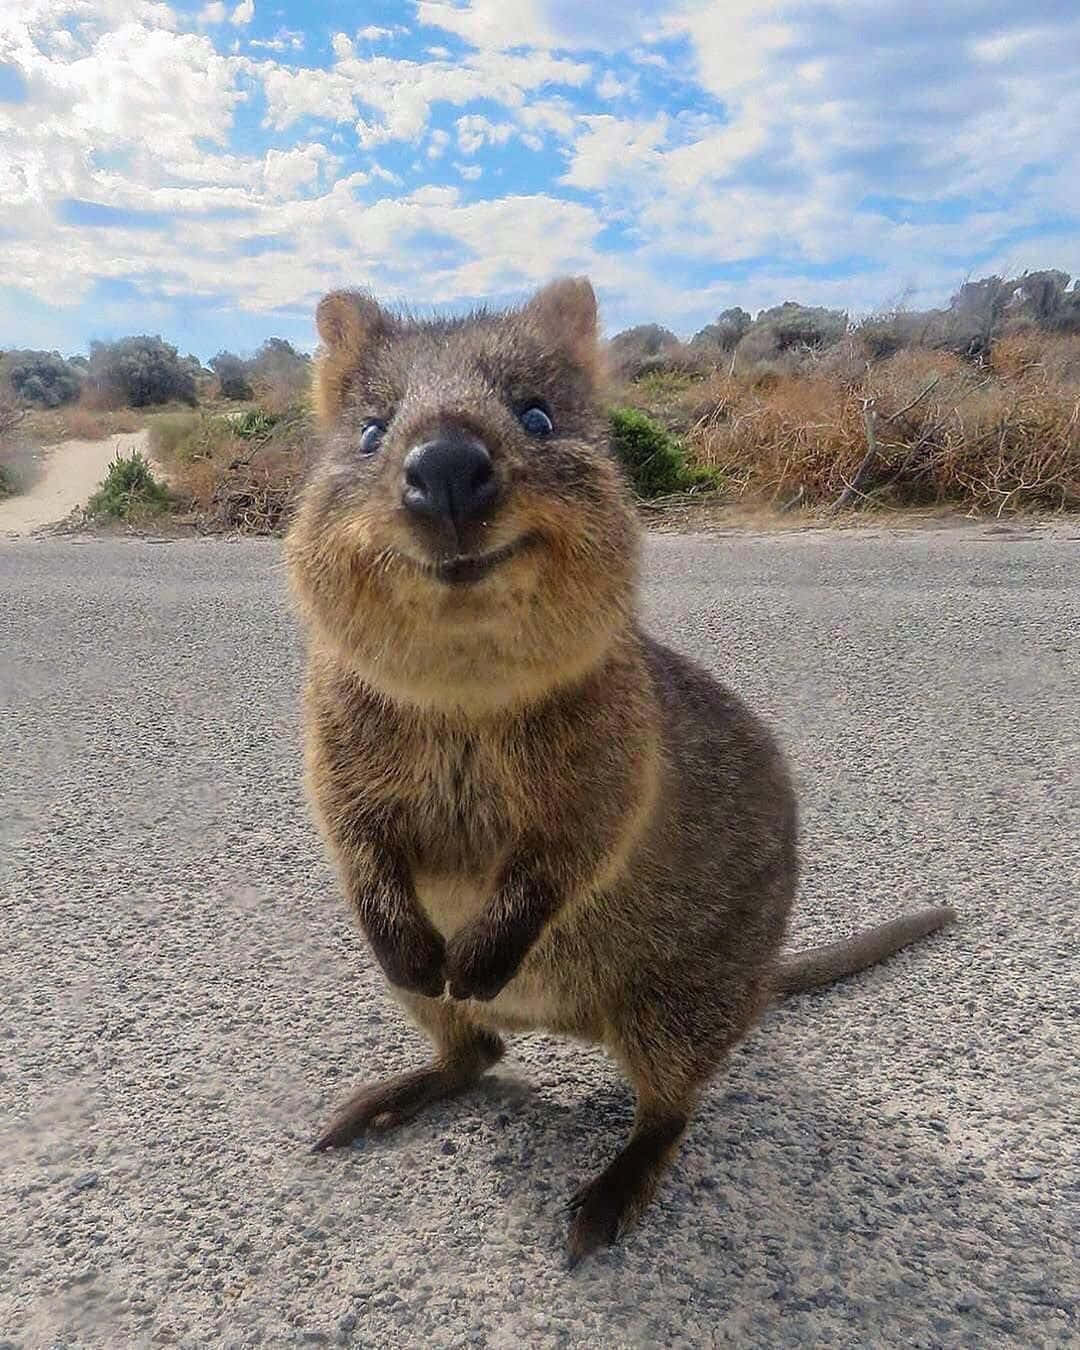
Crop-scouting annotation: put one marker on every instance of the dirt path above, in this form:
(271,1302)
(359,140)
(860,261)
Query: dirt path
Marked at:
(73,471)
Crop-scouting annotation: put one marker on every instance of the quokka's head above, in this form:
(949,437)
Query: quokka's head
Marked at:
(467,541)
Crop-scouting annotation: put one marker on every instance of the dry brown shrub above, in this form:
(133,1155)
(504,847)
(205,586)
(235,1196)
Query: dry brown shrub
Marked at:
(235,482)
(1050,359)
(284,392)
(998,437)
(83,423)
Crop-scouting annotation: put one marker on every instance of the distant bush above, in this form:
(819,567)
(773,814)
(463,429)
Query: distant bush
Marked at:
(647,348)
(138,372)
(10,414)
(790,328)
(653,459)
(40,379)
(726,330)
(255,424)
(129,489)
(280,375)
(918,428)
(232,375)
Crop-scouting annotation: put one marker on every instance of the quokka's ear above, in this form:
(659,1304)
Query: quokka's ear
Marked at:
(350,323)
(565,312)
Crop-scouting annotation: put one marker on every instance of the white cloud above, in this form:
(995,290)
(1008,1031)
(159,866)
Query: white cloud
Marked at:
(401,93)
(788,159)
(374,34)
(475,132)
(490,23)
(610,87)
(285,40)
(213,13)
(503,25)
(243,14)
(287,172)
(610,150)
(437,144)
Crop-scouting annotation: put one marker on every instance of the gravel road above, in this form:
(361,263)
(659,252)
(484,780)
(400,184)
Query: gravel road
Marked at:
(893,1162)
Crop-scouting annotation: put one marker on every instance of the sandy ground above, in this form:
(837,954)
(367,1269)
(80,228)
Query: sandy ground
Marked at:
(890,1163)
(72,474)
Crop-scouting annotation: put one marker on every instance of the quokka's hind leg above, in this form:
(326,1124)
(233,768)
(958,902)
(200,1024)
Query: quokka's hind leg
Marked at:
(464,1052)
(668,1061)
(605,1207)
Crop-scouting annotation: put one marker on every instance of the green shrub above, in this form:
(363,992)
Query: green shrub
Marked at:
(40,379)
(139,371)
(253,424)
(129,488)
(8,482)
(652,459)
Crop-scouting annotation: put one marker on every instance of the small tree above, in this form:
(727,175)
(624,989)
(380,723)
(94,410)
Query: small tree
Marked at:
(725,331)
(139,371)
(280,374)
(232,375)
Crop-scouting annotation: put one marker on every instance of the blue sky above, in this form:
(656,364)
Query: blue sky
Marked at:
(208,170)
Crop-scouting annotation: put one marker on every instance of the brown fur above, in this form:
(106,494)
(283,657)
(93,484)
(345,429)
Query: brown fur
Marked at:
(542,817)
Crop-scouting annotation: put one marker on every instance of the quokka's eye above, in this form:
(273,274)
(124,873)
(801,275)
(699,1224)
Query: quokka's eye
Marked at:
(371,436)
(536,421)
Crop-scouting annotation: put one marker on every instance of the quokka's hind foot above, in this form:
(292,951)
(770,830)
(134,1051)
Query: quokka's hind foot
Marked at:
(605,1207)
(378,1107)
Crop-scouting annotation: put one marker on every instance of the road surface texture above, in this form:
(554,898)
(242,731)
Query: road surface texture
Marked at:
(893,1162)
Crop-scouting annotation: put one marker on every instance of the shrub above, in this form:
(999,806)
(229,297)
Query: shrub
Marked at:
(84,424)
(254,424)
(128,489)
(635,351)
(724,333)
(790,328)
(232,375)
(10,414)
(139,371)
(280,375)
(238,472)
(41,379)
(653,460)
(1000,437)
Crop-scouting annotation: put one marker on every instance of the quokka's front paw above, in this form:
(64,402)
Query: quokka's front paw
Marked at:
(414,959)
(480,961)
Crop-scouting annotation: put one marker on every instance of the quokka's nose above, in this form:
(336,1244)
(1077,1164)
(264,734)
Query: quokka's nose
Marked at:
(450,478)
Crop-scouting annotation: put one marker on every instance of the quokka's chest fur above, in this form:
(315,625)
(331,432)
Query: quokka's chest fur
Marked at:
(452,800)
(457,798)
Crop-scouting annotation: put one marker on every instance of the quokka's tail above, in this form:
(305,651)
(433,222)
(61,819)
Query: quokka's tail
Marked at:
(822,965)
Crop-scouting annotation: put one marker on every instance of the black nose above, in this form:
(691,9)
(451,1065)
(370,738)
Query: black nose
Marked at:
(451,478)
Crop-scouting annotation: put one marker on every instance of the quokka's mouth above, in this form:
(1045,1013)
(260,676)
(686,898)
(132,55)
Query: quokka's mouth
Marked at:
(465,570)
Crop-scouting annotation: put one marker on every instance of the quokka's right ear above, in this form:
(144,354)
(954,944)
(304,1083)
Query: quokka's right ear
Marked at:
(350,321)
